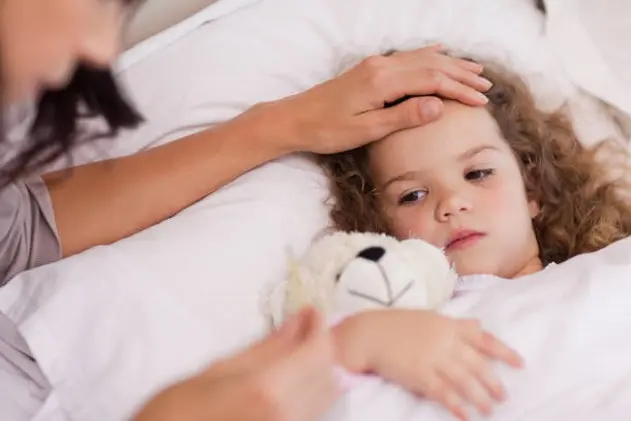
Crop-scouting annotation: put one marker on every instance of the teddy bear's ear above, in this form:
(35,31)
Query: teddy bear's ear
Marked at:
(273,297)
(271,304)
(324,232)
(293,271)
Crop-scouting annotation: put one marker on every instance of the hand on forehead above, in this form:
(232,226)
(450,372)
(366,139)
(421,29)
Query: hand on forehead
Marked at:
(459,133)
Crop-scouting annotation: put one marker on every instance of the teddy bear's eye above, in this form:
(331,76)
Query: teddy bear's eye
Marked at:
(337,277)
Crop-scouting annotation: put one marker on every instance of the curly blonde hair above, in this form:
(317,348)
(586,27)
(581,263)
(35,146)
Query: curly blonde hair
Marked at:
(582,208)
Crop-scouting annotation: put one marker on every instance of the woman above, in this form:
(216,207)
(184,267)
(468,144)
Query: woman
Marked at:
(58,52)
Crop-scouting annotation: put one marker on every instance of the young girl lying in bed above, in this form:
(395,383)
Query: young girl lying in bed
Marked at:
(506,190)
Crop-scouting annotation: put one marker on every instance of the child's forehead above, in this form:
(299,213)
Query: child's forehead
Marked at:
(439,145)
(459,128)
(460,119)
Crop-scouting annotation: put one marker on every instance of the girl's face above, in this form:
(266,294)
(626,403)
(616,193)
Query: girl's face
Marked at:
(456,184)
(43,41)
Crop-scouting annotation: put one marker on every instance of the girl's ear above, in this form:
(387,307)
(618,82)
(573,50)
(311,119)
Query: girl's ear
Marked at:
(533,209)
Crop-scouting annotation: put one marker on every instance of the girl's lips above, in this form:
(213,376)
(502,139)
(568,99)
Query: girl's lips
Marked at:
(463,239)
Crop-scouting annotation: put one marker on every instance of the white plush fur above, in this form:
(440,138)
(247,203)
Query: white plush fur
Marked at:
(333,278)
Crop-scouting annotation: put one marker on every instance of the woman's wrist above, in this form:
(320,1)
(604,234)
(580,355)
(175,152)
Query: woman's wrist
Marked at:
(274,127)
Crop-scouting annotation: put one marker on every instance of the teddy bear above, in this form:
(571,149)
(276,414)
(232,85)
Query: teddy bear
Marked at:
(343,273)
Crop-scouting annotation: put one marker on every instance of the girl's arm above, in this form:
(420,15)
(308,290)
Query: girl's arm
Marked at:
(447,360)
(103,202)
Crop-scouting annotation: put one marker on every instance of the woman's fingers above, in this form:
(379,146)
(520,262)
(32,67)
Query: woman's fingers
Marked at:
(409,113)
(417,73)
(316,391)
(307,372)
(470,65)
(468,78)
(463,63)
(275,346)
(423,57)
(349,111)
(407,82)
(431,60)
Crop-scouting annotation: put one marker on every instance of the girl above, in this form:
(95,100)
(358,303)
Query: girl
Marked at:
(505,190)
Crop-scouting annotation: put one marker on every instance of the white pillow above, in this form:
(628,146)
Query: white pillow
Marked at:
(113,325)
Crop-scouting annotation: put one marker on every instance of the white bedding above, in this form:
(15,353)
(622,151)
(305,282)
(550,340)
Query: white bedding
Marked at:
(113,325)
(571,323)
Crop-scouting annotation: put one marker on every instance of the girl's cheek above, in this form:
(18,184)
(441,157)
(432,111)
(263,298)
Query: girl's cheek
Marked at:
(510,200)
(410,223)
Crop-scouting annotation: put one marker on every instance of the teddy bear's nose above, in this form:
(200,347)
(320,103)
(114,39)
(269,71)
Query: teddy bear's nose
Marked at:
(374,253)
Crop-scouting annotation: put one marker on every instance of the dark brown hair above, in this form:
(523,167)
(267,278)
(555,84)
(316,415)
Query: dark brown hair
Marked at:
(92,93)
(582,208)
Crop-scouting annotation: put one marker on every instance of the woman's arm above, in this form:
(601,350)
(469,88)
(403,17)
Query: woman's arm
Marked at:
(104,202)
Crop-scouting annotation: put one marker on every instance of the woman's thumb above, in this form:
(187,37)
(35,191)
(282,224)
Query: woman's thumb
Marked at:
(413,112)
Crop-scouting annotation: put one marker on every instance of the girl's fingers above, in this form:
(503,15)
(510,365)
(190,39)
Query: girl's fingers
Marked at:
(442,391)
(466,384)
(493,348)
(481,368)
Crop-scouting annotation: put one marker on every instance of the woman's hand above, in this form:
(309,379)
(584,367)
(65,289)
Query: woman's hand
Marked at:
(347,112)
(288,377)
(444,359)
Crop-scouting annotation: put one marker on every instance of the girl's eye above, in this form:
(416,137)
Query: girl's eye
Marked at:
(412,197)
(477,175)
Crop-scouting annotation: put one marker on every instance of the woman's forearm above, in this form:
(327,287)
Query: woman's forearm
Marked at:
(103,202)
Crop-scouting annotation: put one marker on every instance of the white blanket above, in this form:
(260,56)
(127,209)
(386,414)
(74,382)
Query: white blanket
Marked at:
(570,322)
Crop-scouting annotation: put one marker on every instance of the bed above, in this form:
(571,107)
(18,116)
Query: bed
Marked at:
(113,325)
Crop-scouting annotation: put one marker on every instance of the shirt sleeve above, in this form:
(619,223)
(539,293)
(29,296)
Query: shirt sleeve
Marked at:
(28,234)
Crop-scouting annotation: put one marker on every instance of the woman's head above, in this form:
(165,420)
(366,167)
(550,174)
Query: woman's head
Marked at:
(58,52)
(514,177)
(44,41)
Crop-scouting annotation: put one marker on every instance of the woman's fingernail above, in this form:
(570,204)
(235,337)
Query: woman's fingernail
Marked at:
(430,109)
(487,84)
(482,98)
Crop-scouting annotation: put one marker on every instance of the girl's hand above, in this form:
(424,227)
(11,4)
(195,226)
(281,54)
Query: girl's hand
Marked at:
(444,359)
(347,112)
